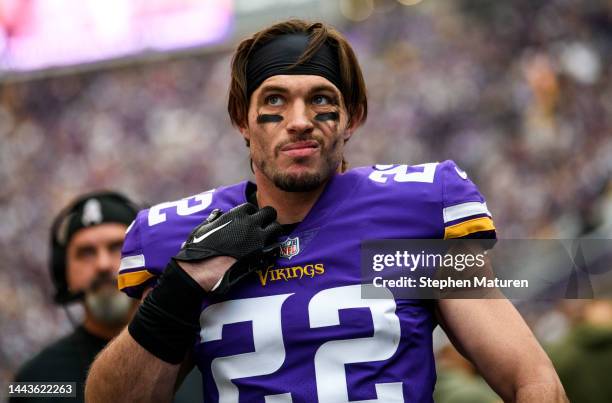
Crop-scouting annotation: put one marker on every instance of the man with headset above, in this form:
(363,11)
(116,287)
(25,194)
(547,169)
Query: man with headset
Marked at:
(86,241)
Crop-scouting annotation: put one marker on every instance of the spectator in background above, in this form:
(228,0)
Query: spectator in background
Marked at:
(583,358)
(458,381)
(86,241)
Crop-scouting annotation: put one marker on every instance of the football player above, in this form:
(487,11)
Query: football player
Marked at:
(288,324)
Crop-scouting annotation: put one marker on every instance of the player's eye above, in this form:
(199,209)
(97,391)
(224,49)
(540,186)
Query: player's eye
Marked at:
(274,100)
(321,100)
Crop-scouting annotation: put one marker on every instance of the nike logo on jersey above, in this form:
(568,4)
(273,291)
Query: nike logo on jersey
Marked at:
(462,174)
(209,233)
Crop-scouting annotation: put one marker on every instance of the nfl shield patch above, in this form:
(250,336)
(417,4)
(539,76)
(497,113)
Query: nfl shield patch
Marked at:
(290,247)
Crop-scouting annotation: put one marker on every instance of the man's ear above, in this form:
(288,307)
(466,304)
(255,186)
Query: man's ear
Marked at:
(354,123)
(244,130)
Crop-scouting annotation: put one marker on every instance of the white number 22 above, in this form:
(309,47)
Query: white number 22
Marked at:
(184,207)
(400,173)
(269,354)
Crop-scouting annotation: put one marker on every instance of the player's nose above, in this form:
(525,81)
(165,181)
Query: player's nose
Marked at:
(298,121)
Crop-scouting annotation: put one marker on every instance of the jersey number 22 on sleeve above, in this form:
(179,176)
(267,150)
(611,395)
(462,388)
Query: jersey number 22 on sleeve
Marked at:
(424,173)
(186,206)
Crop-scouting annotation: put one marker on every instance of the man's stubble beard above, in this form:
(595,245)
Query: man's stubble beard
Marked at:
(302,182)
(106,304)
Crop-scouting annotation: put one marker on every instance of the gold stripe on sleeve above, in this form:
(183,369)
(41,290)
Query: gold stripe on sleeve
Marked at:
(469,227)
(132,279)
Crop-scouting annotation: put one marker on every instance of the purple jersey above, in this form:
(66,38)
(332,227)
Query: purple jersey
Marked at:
(299,331)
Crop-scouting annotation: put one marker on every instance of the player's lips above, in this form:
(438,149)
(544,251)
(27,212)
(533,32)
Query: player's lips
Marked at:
(300,148)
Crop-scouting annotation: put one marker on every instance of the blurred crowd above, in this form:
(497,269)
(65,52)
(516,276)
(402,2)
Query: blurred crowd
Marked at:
(518,93)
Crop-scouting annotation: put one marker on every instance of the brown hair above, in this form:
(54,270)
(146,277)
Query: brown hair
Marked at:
(353,86)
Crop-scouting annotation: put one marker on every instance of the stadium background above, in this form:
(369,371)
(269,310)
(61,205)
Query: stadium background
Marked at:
(518,93)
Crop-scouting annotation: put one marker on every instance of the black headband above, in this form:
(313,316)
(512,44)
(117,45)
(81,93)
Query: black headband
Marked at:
(88,210)
(279,54)
(95,210)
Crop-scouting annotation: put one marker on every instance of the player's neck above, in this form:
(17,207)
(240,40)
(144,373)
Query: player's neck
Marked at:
(291,207)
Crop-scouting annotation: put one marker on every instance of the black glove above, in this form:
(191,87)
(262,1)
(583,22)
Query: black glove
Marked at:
(244,233)
(167,322)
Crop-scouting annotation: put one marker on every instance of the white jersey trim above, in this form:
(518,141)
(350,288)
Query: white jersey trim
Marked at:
(463,210)
(132,262)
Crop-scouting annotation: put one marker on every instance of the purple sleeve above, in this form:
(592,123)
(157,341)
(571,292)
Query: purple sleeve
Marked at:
(465,210)
(134,277)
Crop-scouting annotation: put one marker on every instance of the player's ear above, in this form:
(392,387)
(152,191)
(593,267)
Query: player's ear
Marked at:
(354,123)
(244,130)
